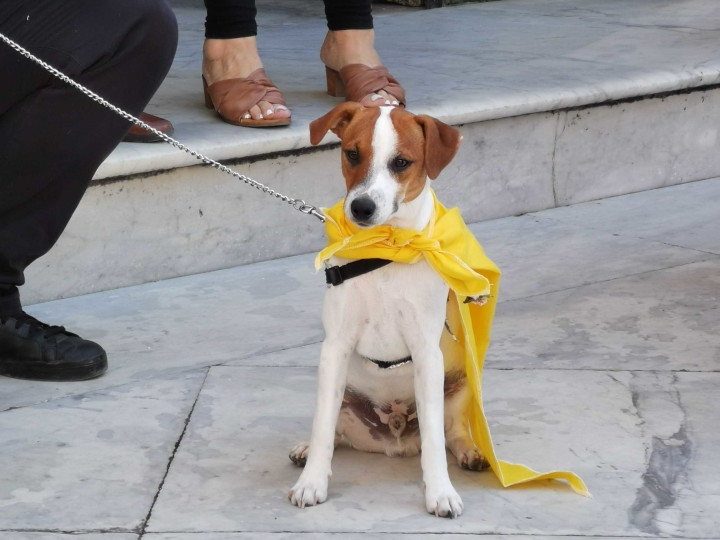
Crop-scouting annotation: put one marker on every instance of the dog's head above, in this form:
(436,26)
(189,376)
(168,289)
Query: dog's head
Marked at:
(388,154)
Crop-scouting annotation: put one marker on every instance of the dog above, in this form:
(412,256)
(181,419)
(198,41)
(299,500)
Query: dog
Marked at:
(383,383)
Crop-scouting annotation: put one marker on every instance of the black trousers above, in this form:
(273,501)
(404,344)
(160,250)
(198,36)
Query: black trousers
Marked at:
(236,18)
(52,137)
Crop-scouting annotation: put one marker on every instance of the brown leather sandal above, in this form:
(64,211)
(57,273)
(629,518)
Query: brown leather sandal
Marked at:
(233,98)
(356,81)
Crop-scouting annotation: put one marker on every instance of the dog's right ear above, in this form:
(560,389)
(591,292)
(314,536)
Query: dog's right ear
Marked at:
(336,121)
(441,144)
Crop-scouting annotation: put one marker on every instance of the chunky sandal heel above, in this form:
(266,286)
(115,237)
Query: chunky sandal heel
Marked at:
(335,85)
(208,99)
(356,82)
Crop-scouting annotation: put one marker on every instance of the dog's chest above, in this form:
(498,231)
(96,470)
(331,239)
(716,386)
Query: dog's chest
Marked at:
(388,308)
(389,314)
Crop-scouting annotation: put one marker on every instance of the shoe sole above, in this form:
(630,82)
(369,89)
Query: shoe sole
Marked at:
(41,371)
(148,137)
(252,123)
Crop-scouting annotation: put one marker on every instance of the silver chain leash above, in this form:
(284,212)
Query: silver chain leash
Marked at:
(297,204)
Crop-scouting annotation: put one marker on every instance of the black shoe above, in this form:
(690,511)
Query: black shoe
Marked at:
(30,349)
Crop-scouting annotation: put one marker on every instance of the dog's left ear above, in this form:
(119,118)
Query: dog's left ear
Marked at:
(336,121)
(441,144)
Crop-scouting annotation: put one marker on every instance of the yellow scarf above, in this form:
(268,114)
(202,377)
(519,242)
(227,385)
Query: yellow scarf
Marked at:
(453,252)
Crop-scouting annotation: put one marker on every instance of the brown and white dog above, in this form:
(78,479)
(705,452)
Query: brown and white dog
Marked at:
(383,386)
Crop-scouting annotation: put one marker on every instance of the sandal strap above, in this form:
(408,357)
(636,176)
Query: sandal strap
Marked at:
(233,98)
(361,80)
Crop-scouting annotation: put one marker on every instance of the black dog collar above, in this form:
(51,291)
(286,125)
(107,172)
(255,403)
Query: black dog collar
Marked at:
(382,364)
(335,275)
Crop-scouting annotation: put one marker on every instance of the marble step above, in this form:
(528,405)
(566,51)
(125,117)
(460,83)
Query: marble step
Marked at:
(559,103)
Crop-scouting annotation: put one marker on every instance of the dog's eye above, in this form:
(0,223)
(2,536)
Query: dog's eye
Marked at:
(352,156)
(400,164)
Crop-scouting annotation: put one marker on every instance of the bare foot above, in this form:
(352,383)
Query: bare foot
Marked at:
(345,47)
(237,58)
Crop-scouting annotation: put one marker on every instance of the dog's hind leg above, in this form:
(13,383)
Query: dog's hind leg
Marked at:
(298,455)
(457,430)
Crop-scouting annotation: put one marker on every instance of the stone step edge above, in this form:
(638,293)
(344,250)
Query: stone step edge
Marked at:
(300,145)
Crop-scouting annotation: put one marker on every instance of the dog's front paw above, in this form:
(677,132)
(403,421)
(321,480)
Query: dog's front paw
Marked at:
(298,455)
(309,490)
(443,501)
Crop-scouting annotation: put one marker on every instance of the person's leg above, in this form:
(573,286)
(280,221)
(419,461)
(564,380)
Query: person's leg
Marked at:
(227,19)
(351,40)
(349,14)
(54,137)
(230,49)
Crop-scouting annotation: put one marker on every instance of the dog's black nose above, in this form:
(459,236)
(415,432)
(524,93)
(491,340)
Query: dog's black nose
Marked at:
(362,208)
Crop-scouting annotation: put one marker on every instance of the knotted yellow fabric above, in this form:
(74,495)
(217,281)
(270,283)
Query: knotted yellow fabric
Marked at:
(453,252)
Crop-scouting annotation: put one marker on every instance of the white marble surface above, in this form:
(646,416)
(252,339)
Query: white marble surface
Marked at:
(628,433)
(532,248)
(624,323)
(232,472)
(603,360)
(158,329)
(504,167)
(685,215)
(494,69)
(91,461)
(189,221)
(14,535)
(139,325)
(351,536)
(606,151)
(485,61)
(194,219)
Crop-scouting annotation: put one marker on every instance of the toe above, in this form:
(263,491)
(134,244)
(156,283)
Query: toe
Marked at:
(266,109)
(272,111)
(281,111)
(256,112)
(379,99)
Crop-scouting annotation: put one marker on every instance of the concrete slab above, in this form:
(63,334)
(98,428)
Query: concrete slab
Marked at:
(613,150)
(158,329)
(538,256)
(696,502)
(686,215)
(241,310)
(231,472)
(665,320)
(14,535)
(349,536)
(94,461)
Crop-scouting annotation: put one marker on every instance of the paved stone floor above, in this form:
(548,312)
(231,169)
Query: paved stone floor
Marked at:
(604,360)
